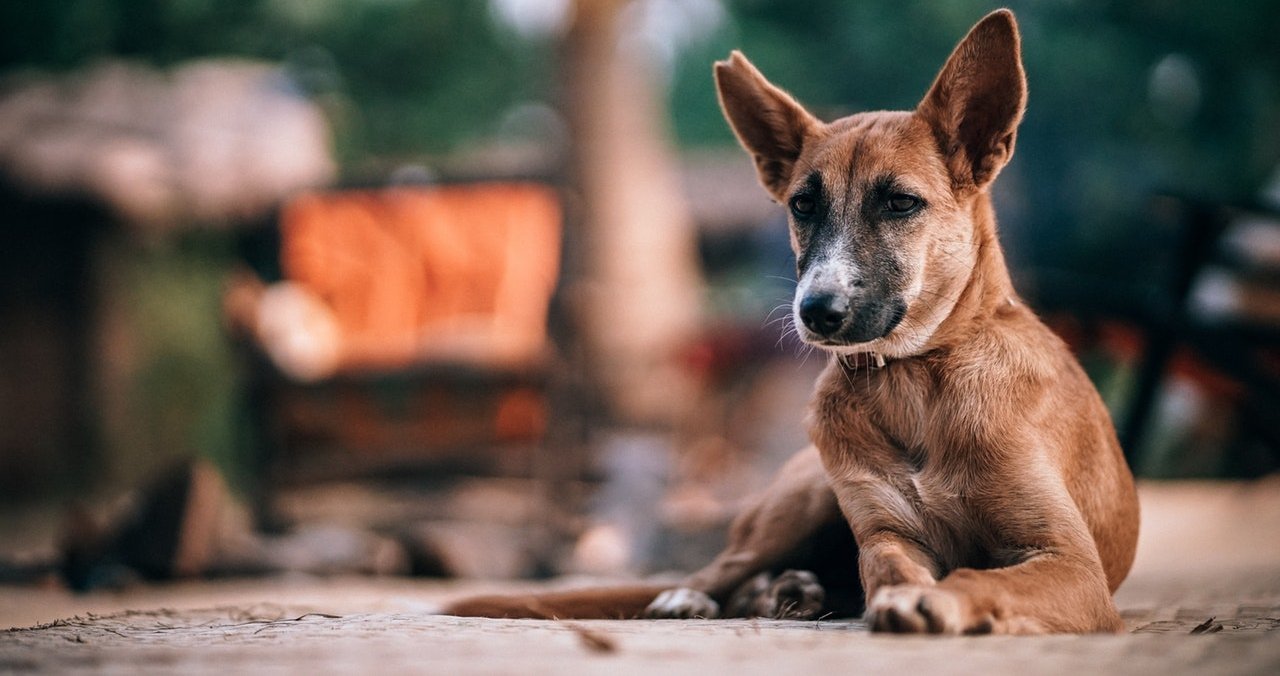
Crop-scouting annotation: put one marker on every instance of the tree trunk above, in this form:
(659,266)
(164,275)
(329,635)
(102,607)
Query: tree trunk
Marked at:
(640,293)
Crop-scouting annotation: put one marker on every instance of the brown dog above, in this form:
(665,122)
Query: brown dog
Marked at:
(956,436)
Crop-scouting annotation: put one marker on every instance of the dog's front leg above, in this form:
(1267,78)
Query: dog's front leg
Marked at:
(887,559)
(1050,593)
(889,562)
(887,525)
(1053,581)
(891,555)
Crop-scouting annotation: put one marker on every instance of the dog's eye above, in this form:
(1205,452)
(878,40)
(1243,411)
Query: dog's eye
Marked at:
(803,206)
(900,205)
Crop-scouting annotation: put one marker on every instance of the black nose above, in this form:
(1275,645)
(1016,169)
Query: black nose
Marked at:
(822,315)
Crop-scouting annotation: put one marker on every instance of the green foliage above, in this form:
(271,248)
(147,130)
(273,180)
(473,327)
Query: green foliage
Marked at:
(407,77)
(178,393)
(1095,141)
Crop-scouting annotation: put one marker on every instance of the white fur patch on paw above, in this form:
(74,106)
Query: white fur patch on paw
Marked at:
(682,603)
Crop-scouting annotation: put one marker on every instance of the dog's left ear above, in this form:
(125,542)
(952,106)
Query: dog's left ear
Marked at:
(977,100)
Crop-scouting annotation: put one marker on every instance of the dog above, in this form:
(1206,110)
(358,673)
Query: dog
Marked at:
(964,477)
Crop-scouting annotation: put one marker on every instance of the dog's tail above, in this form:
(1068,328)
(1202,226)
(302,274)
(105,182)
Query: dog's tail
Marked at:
(609,603)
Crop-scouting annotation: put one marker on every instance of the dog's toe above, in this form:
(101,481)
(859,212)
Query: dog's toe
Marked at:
(915,610)
(794,595)
(682,603)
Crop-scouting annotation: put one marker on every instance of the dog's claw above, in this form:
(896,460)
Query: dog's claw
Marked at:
(682,603)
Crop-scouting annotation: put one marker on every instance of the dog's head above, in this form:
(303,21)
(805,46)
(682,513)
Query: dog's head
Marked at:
(883,205)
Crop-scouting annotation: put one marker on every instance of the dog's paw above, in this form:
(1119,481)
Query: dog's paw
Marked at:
(794,595)
(682,603)
(911,609)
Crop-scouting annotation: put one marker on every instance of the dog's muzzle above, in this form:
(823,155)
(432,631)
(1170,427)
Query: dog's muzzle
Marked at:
(833,320)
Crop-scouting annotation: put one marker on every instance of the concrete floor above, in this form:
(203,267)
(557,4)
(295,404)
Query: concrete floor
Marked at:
(1208,550)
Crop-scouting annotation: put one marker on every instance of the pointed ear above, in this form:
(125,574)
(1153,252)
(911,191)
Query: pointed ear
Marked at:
(977,101)
(767,121)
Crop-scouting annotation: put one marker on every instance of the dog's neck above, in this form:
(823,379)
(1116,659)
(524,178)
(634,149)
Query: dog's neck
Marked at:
(862,360)
(987,291)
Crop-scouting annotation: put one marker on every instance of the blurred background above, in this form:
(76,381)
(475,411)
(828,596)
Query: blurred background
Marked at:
(484,288)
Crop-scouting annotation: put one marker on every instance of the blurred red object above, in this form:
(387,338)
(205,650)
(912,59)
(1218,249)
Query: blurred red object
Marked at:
(462,272)
(411,325)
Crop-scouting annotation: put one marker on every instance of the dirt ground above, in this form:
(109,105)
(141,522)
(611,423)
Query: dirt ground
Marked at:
(1204,598)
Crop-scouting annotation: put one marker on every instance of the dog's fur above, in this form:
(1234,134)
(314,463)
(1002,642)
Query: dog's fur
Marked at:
(977,469)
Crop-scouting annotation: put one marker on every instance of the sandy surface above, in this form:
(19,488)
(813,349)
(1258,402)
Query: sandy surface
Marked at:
(1207,551)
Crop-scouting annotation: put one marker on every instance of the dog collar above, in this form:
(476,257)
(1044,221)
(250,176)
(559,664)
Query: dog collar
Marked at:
(861,360)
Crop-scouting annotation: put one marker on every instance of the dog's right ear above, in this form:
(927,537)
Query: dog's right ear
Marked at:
(767,121)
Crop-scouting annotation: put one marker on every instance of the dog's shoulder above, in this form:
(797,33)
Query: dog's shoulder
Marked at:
(1011,348)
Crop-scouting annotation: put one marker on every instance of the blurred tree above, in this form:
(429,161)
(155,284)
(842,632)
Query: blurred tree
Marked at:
(638,287)
(401,78)
(1111,114)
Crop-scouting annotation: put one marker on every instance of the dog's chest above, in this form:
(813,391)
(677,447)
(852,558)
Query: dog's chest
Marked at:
(904,403)
(915,477)
(936,511)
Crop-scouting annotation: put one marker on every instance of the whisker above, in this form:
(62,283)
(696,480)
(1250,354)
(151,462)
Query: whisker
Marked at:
(784,304)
